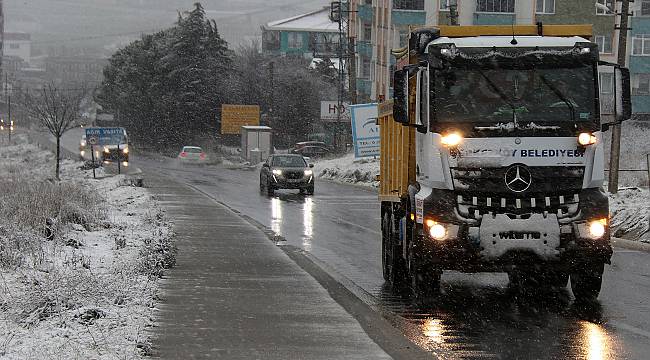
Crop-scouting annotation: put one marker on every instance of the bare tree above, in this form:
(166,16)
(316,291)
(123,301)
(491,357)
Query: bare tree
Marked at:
(57,110)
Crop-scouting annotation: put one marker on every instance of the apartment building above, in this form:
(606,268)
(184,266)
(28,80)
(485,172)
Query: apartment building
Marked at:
(381,25)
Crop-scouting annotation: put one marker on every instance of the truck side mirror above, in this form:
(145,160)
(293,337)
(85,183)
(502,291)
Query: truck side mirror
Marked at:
(623,94)
(400,95)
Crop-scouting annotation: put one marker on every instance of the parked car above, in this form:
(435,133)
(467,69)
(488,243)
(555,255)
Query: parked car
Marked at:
(192,155)
(312,151)
(287,171)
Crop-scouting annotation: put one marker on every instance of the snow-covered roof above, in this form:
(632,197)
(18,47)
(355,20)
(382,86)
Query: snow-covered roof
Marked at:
(504,41)
(315,21)
(254,127)
(316,61)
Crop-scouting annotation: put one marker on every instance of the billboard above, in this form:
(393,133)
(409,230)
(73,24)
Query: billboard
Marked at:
(233,117)
(365,131)
(329,111)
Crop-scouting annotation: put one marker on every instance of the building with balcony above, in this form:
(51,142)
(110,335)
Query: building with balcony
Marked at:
(310,35)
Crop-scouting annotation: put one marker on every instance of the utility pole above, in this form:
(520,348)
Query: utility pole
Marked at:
(271,92)
(11,122)
(352,70)
(615,151)
(453,12)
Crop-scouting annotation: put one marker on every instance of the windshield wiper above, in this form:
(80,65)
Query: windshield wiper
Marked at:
(501,95)
(561,96)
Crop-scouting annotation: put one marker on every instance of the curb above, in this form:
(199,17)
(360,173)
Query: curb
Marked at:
(630,245)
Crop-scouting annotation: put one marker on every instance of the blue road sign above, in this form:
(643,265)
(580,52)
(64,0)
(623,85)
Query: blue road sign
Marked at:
(104,136)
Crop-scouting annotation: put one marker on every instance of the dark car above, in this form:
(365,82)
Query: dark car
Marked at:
(287,171)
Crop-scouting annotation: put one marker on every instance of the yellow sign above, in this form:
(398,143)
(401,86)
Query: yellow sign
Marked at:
(233,117)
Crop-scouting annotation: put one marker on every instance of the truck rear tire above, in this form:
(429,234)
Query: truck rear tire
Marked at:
(393,265)
(586,281)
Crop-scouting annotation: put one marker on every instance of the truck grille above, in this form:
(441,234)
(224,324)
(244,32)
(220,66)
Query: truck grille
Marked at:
(553,190)
(545,180)
(476,206)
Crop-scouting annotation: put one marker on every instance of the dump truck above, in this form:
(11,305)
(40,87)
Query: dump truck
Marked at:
(492,157)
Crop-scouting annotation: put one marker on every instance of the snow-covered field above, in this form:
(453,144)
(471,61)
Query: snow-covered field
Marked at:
(629,208)
(79,260)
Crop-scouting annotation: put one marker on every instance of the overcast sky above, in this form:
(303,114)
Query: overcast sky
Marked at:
(73,23)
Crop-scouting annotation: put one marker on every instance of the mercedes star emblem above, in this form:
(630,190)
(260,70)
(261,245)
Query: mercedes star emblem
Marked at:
(518,178)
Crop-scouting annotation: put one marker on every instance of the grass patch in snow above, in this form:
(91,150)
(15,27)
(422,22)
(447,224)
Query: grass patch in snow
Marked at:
(79,260)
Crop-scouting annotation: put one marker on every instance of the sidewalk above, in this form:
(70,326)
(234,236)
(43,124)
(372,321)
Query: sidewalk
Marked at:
(235,295)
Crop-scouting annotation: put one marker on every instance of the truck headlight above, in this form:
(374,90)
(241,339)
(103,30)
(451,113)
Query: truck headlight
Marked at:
(106,150)
(277,172)
(126,150)
(585,139)
(451,139)
(436,231)
(597,228)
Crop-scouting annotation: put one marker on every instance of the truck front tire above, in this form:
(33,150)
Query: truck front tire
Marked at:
(586,281)
(425,276)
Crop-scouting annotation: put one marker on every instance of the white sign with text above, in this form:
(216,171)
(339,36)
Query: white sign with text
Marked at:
(365,131)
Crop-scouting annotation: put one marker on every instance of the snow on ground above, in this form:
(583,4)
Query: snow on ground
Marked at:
(629,208)
(349,170)
(634,148)
(83,285)
(630,211)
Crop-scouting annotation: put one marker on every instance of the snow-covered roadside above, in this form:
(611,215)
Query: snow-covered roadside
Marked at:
(630,212)
(629,208)
(84,283)
(349,170)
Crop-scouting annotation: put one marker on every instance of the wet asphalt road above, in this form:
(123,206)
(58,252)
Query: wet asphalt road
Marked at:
(478,316)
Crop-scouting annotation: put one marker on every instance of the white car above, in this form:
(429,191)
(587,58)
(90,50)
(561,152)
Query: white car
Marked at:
(192,155)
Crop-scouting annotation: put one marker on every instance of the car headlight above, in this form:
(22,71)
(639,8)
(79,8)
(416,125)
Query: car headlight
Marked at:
(126,150)
(308,172)
(277,172)
(106,150)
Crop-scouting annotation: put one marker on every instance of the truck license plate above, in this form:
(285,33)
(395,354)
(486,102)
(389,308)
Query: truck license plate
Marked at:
(524,235)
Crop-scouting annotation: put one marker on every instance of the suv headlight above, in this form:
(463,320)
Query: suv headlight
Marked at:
(308,172)
(277,172)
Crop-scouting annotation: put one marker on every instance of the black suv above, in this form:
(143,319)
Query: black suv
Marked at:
(287,171)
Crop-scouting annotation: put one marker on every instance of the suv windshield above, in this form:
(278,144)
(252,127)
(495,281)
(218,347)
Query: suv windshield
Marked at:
(527,95)
(289,161)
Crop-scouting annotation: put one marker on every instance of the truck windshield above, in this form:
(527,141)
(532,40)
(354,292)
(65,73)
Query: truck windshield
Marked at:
(553,95)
